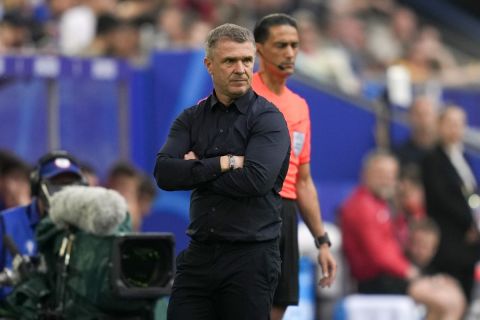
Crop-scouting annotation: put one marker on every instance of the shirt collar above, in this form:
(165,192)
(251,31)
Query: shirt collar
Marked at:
(454,149)
(241,103)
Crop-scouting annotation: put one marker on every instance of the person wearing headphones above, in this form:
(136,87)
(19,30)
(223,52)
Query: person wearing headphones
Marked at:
(277,40)
(52,172)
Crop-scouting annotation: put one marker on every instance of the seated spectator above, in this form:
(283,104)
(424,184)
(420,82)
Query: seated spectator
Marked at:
(375,256)
(125,41)
(424,236)
(389,38)
(321,61)
(443,293)
(409,203)
(14,34)
(104,30)
(14,181)
(125,179)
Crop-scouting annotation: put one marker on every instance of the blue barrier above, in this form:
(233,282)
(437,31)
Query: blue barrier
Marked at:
(107,110)
(57,102)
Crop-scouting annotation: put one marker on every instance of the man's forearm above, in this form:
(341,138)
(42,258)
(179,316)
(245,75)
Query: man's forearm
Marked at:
(308,204)
(179,174)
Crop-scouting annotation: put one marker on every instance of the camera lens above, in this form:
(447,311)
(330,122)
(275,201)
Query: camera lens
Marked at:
(145,263)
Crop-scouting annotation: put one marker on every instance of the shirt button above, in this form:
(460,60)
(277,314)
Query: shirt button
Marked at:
(221,130)
(216,148)
(212,230)
(213,209)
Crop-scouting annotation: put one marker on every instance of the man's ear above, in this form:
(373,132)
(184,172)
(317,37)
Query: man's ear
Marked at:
(208,64)
(259,49)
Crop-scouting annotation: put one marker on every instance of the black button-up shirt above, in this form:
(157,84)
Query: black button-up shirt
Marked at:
(237,205)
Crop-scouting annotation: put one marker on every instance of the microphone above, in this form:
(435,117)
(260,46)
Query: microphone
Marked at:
(96,210)
(279,66)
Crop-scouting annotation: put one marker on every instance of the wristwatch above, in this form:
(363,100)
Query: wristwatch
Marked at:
(231,162)
(322,239)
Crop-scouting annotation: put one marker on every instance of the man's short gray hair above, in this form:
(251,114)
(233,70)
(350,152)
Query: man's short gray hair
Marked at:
(227,31)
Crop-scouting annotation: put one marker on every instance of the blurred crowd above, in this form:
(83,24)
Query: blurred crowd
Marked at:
(132,183)
(343,43)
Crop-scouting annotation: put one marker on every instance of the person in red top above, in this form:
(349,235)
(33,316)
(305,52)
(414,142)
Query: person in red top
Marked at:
(376,258)
(372,249)
(277,41)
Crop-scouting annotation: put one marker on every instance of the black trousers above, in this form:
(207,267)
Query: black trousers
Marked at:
(225,281)
(287,292)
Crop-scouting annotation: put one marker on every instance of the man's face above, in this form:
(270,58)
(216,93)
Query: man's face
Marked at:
(452,126)
(422,246)
(280,49)
(381,177)
(58,182)
(231,66)
(423,116)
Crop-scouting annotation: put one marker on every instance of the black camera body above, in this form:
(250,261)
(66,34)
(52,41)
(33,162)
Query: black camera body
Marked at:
(143,265)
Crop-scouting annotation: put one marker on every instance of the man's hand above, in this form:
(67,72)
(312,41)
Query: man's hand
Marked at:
(190,156)
(328,265)
(412,273)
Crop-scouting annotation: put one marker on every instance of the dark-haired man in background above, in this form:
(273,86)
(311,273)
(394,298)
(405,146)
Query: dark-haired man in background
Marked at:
(277,41)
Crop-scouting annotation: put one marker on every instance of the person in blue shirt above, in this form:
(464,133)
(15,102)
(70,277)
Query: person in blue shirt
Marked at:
(53,171)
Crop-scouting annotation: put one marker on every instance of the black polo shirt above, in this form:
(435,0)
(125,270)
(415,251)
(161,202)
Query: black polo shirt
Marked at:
(237,205)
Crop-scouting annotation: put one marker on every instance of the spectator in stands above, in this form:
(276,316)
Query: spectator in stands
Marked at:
(388,39)
(423,240)
(14,181)
(320,60)
(125,41)
(376,258)
(371,247)
(171,31)
(82,17)
(124,178)
(179,28)
(411,193)
(409,202)
(427,58)
(277,39)
(348,33)
(14,34)
(445,299)
(135,9)
(422,117)
(449,182)
(104,31)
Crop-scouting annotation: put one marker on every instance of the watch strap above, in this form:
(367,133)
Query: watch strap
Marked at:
(231,162)
(320,240)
